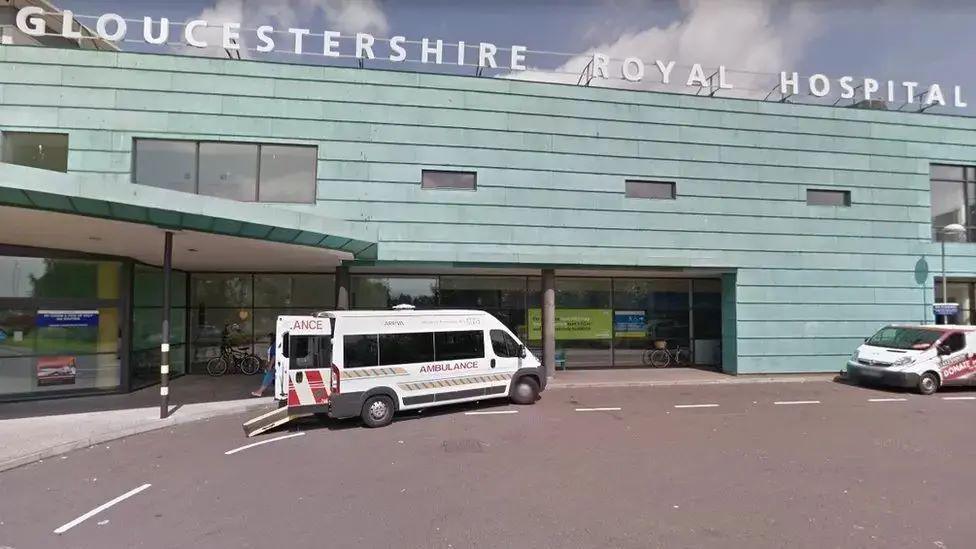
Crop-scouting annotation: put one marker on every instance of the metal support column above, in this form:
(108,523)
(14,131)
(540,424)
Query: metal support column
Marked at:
(549,322)
(164,346)
(342,288)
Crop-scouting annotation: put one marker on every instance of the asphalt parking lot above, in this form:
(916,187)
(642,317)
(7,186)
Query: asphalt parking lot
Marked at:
(797,465)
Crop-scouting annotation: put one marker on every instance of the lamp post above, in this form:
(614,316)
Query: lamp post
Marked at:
(954,229)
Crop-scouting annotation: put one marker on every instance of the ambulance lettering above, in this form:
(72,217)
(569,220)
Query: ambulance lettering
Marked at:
(959,367)
(431,368)
(307,324)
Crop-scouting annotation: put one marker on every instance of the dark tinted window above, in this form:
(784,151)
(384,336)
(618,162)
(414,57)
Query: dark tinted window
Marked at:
(360,351)
(309,352)
(650,189)
(817,197)
(47,151)
(955,342)
(460,345)
(406,348)
(432,179)
(503,344)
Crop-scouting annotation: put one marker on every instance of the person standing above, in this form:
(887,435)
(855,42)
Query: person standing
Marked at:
(269,369)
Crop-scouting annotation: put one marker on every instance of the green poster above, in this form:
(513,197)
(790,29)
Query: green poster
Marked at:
(574,324)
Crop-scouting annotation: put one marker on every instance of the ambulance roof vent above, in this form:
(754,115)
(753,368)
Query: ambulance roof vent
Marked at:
(403,307)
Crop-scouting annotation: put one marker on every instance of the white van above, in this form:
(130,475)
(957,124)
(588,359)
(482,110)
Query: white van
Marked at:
(373,364)
(923,357)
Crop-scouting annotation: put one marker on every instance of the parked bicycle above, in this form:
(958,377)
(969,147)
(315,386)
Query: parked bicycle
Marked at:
(660,356)
(232,358)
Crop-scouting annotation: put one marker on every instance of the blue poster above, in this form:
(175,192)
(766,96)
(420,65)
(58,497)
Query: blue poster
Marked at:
(629,324)
(67,319)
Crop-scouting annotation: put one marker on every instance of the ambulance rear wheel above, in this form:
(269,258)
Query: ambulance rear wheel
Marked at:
(377,411)
(526,391)
(928,383)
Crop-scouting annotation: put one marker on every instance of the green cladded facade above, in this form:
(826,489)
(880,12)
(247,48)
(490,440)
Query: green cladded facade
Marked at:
(802,285)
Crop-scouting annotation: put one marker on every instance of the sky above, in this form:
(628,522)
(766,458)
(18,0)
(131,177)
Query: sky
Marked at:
(925,41)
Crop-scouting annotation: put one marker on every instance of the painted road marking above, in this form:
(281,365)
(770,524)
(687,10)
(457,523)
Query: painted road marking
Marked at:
(242,448)
(491,412)
(959,398)
(797,402)
(887,399)
(610,409)
(696,405)
(99,509)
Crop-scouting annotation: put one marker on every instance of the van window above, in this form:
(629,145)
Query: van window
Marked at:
(360,351)
(503,344)
(955,342)
(459,345)
(406,348)
(305,352)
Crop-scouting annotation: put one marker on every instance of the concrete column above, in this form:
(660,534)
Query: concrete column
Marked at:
(342,288)
(549,321)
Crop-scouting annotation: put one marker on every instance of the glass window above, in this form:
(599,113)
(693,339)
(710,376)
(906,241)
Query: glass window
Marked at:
(822,197)
(951,173)
(439,179)
(360,351)
(288,173)
(313,290)
(47,151)
(148,287)
(955,342)
(229,170)
(503,345)
(406,348)
(459,345)
(372,292)
(221,290)
(664,190)
(166,164)
(58,278)
(306,352)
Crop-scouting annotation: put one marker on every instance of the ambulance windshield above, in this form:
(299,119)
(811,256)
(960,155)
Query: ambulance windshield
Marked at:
(894,337)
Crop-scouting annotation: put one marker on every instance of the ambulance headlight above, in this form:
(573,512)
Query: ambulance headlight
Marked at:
(903,361)
(855,356)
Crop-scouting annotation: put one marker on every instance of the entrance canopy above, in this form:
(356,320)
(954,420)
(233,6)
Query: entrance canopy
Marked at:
(48,209)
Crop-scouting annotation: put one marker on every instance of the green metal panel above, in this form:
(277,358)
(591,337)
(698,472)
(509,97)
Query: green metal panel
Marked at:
(551,162)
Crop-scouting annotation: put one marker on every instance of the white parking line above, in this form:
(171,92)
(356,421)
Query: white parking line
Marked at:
(696,405)
(959,398)
(242,448)
(610,409)
(99,509)
(797,402)
(887,399)
(491,412)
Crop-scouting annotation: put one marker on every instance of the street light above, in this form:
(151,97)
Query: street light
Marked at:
(953,229)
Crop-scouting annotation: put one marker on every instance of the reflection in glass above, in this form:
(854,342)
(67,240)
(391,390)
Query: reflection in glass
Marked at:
(166,164)
(58,278)
(288,173)
(229,170)
(372,292)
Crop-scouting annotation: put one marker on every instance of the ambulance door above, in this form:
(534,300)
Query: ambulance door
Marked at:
(506,352)
(306,349)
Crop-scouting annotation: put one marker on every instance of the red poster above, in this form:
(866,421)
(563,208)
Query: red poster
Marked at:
(56,370)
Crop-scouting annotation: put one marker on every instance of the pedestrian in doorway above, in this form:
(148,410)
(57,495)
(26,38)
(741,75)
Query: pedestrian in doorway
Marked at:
(269,368)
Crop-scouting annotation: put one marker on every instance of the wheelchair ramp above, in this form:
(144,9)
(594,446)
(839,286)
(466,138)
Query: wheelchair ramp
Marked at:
(270,420)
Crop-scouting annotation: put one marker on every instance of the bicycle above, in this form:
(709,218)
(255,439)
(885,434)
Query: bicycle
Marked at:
(660,356)
(245,362)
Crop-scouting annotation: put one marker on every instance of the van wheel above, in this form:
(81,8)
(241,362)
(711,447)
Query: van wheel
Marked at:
(377,411)
(928,383)
(526,391)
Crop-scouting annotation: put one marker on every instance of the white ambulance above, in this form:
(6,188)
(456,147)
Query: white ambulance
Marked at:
(373,364)
(923,357)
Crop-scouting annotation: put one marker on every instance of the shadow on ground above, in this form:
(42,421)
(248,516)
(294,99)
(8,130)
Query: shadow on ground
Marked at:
(184,390)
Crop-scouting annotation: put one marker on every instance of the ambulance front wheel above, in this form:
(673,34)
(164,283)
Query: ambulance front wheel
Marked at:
(526,391)
(377,411)
(928,383)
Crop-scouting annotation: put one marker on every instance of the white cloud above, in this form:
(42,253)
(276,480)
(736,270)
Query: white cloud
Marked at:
(345,16)
(744,35)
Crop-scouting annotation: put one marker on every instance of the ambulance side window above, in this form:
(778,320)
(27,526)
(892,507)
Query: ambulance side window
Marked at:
(955,342)
(305,352)
(360,351)
(503,344)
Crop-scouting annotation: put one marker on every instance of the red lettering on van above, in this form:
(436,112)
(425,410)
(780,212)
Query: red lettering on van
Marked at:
(303,324)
